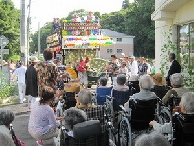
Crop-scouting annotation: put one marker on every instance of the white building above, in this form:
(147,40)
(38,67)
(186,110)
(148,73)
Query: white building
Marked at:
(178,15)
(123,43)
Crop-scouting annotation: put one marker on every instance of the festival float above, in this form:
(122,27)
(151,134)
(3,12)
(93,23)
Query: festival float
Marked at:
(80,37)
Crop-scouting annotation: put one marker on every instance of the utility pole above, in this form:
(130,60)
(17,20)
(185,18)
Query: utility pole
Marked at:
(23,36)
(28,29)
(38,39)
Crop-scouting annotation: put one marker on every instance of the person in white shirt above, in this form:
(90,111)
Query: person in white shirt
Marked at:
(123,69)
(20,73)
(149,66)
(133,66)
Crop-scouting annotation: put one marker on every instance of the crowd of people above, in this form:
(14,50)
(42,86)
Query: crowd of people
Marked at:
(41,82)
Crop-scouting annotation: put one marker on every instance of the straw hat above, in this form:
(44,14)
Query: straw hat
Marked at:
(4,63)
(34,59)
(158,79)
(123,63)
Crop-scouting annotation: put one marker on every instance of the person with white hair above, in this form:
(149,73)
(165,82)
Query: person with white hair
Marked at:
(185,107)
(6,118)
(73,116)
(175,67)
(121,80)
(133,66)
(145,84)
(178,89)
(151,139)
(84,102)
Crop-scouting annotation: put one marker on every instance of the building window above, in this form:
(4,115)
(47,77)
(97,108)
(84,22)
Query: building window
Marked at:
(119,50)
(119,39)
(109,50)
(186,41)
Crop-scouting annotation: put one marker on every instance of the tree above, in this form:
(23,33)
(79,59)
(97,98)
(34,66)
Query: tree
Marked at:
(45,31)
(125,4)
(113,21)
(10,26)
(80,12)
(136,21)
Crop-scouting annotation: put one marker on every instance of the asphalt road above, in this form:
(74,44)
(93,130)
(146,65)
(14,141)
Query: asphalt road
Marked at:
(20,122)
(21,129)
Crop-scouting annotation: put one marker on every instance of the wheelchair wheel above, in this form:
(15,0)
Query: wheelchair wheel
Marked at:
(125,132)
(112,135)
(109,109)
(165,116)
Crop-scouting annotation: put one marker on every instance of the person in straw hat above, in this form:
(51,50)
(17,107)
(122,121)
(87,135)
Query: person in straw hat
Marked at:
(32,81)
(159,87)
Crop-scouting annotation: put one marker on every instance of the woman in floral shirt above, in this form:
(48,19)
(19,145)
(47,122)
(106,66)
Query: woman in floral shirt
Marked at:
(47,72)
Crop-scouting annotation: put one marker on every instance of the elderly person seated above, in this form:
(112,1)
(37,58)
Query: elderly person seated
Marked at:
(152,139)
(121,80)
(103,82)
(186,107)
(6,118)
(178,89)
(159,85)
(73,116)
(102,91)
(145,84)
(84,102)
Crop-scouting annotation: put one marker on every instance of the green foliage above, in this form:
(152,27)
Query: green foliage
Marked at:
(186,67)
(135,20)
(10,26)
(125,4)
(114,21)
(167,48)
(80,12)
(14,57)
(7,90)
(44,33)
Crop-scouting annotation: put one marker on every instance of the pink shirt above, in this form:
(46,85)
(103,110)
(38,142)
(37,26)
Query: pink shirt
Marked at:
(42,119)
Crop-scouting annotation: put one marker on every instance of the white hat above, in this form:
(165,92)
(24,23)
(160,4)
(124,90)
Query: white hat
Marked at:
(34,59)
(4,63)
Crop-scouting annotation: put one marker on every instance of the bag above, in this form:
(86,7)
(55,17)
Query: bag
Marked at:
(16,140)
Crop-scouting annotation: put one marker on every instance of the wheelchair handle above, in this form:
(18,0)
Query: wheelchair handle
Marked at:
(108,97)
(123,109)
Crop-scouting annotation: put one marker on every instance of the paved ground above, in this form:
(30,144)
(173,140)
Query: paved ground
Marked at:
(20,123)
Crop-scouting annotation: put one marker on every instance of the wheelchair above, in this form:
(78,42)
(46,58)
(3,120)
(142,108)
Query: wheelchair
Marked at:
(88,133)
(164,115)
(134,87)
(183,126)
(135,120)
(113,103)
(102,93)
(173,101)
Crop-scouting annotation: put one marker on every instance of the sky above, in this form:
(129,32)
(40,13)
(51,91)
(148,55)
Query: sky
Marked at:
(45,10)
